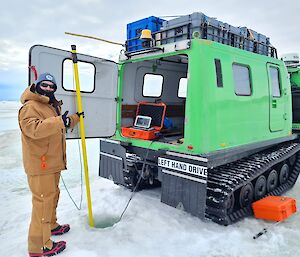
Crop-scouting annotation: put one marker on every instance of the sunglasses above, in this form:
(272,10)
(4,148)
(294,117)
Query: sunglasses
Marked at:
(52,86)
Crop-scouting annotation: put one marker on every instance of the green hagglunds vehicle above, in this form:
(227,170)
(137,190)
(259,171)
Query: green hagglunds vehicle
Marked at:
(197,106)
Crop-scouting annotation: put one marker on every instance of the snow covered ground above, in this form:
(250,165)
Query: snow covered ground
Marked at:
(149,228)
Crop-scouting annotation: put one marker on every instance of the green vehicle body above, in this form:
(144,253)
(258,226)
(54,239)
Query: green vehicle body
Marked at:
(215,117)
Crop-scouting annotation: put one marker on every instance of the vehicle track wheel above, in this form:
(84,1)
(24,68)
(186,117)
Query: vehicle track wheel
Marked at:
(246,195)
(284,174)
(260,188)
(272,180)
(292,159)
(230,203)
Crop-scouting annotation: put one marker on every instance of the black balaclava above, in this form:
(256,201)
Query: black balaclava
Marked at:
(50,94)
(46,77)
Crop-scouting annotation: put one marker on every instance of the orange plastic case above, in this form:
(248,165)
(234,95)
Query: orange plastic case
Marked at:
(141,134)
(154,110)
(275,208)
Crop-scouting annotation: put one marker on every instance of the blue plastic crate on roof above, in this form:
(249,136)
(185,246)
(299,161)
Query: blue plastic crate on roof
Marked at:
(134,30)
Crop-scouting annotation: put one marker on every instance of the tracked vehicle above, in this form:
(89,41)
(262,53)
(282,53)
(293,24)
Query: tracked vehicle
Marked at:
(201,108)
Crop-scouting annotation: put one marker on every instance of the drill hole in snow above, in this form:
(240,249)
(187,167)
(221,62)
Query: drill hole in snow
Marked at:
(106,222)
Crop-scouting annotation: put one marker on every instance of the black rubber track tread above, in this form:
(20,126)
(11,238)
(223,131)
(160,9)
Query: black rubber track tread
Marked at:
(229,178)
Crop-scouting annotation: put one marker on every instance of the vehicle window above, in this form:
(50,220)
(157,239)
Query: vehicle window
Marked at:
(182,88)
(219,73)
(241,79)
(152,86)
(86,76)
(274,74)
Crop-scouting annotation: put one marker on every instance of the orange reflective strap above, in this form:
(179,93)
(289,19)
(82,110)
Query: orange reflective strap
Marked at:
(43,163)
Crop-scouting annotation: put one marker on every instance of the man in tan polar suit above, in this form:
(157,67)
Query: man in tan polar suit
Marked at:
(44,156)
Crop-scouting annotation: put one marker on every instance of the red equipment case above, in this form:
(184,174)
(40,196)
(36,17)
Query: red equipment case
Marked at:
(276,208)
(154,110)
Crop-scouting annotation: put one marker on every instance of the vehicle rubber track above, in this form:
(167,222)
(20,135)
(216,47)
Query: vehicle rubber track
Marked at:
(133,172)
(226,182)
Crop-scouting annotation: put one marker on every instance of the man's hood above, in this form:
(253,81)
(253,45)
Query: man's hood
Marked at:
(30,95)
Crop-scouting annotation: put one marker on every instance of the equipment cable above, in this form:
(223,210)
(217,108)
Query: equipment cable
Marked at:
(81,180)
(95,38)
(137,183)
(266,229)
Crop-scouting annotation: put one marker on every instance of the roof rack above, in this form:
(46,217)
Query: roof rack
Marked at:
(171,32)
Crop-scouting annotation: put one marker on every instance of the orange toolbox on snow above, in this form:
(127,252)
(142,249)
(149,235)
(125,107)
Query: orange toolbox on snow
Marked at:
(148,122)
(275,208)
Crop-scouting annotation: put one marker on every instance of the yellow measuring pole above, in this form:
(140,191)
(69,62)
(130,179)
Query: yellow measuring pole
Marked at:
(82,135)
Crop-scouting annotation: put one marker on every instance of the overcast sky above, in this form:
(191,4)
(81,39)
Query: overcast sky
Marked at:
(25,23)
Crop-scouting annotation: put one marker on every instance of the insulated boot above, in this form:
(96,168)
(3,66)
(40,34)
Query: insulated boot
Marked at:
(61,229)
(57,248)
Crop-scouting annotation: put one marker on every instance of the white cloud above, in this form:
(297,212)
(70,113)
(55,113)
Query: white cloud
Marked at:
(13,56)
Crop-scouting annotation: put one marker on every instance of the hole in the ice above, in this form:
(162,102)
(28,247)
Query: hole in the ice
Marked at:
(106,222)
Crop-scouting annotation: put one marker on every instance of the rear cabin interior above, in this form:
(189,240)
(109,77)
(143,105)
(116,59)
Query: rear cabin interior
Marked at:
(154,81)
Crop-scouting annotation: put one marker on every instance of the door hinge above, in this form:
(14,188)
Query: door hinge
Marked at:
(118,99)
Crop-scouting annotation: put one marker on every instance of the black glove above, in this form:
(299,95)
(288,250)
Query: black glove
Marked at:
(81,113)
(66,119)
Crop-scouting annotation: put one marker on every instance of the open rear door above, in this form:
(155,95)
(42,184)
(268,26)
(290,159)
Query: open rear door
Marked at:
(99,103)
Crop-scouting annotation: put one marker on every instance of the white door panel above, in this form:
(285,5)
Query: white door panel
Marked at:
(99,105)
